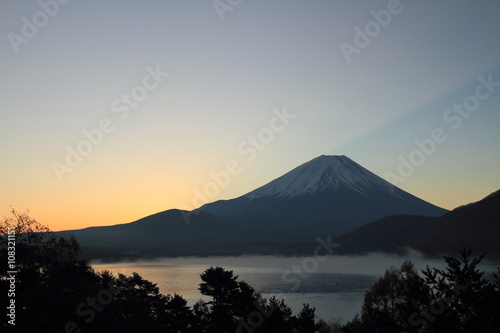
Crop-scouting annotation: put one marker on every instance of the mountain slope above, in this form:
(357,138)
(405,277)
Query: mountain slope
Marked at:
(476,225)
(166,234)
(329,194)
(393,233)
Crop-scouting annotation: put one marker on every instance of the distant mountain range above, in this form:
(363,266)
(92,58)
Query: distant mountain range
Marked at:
(476,225)
(327,195)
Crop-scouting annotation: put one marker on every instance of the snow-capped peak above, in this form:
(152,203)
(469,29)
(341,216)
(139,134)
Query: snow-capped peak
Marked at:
(322,173)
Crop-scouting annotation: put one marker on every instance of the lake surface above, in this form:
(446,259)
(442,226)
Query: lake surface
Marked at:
(335,286)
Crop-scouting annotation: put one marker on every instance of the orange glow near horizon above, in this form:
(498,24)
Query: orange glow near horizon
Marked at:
(99,196)
(100,209)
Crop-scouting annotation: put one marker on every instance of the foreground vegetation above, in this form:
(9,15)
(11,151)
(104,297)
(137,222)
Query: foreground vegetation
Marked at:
(56,291)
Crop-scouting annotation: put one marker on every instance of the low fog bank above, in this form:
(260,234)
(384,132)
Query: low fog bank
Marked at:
(370,264)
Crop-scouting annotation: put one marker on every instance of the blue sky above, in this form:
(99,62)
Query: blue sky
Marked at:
(227,79)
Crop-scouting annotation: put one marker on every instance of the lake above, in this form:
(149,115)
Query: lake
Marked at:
(335,286)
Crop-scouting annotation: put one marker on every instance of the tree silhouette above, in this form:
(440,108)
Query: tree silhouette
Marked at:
(202,317)
(392,300)
(280,318)
(219,284)
(462,298)
(56,291)
(50,280)
(232,300)
(306,320)
(355,325)
(455,299)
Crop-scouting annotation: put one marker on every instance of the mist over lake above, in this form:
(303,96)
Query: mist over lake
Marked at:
(336,287)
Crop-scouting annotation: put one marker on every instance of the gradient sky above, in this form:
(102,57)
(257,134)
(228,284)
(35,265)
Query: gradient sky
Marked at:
(228,75)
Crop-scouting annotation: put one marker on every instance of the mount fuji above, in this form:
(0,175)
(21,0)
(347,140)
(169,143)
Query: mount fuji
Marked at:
(323,173)
(330,194)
